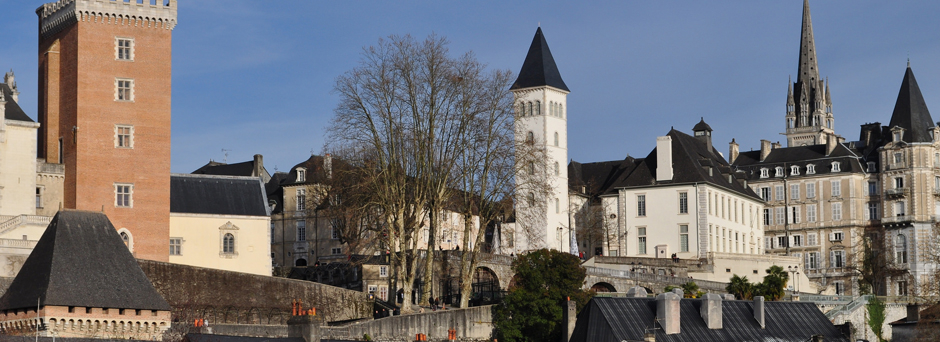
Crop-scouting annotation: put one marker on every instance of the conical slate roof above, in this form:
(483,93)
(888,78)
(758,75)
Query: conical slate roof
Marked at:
(910,111)
(81,261)
(539,68)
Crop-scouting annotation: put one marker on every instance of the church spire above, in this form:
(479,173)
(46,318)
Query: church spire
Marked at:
(539,68)
(808,71)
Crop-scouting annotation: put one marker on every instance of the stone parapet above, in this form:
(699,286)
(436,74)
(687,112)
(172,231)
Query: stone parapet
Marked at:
(55,16)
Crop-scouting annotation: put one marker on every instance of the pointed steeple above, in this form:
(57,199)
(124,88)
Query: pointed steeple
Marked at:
(539,68)
(910,111)
(808,70)
(790,94)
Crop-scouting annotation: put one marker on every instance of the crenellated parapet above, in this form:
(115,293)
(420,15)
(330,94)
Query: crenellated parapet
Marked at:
(157,14)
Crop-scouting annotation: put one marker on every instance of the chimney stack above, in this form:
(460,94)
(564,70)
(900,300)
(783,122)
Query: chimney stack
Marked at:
(711,310)
(259,166)
(777,145)
(328,165)
(831,142)
(636,292)
(759,310)
(663,158)
(571,317)
(913,313)
(764,149)
(667,312)
(733,150)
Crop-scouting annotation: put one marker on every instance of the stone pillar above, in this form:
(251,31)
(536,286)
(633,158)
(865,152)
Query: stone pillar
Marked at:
(637,292)
(306,327)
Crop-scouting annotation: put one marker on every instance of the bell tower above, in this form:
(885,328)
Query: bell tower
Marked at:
(809,119)
(542,127)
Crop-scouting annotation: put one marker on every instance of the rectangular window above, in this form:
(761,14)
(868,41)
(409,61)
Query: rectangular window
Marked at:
(123,195)
(335,229)
(124,89)
(899,183)
(812,260)
(768,243)
(640,205)
(782,241)
(641,240)
(836,188)
(898,158)
(766,217)
(902,288)
(810,190)
(38,197)
(765,194)
(899,208)
(780,214)
(383,271)
(373,289)
(811,213)
(778,192)
(840,288)
(301,230)
(683,202)
(176,246)
(872,210)
(336,251)
(684,238)
(838,259)
(124,136)
(301,199)
(794,214)
(811,239)
(837,211)
(124,49)
(797,240)
(794,191)
(872,188)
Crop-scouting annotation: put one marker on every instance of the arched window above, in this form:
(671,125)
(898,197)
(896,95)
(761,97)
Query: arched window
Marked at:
(531,198)
(901,250)
(556,138)
(557,170)
(529,110)
(538,108)
(228,243)
(551,108)
(561,111)
(529,137)
(126,239)
(520,109)
(300,262)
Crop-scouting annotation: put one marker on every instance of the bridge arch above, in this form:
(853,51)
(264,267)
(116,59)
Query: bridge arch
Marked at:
(603,287)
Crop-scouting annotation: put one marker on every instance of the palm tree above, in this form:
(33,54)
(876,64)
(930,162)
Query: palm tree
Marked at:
(741,288)
(774,283)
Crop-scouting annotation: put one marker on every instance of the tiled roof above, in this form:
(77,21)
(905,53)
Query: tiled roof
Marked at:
(218,195)
(628,319)
(81,260)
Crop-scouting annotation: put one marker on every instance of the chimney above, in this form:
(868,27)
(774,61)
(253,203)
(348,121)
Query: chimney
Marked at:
(764,149)
(759,310)
(259,166)
(729,296)
(711,310)
(328,165)
(649,337)
(663,158)
(913,313)
(733,150)
(571,317)
(777,145)
(636,292)
(667,312)
(831,142)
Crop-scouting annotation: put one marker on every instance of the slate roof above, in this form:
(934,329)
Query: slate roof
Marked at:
(539,67)
(13,110)
(315,171)
(597,178)
(217,195)
(81,260)
(244,169)
(691,160)
(702,126)
(910,111)
(849,160)
(628,319)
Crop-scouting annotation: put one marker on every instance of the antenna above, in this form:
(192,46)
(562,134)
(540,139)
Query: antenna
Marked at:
(225,158)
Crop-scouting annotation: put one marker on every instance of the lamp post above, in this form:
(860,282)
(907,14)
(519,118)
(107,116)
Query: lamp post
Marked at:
(795,270)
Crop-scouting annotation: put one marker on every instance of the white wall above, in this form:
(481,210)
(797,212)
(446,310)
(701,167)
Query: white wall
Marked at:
(202,242)
(18,168)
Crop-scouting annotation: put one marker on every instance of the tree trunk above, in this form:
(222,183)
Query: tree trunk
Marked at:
(429,257)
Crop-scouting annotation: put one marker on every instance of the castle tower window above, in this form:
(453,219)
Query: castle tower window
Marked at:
(561,111)
(530,137)
(124,89)
(124,49)
(228,243)
(123,195)
(123,136)
(556,138)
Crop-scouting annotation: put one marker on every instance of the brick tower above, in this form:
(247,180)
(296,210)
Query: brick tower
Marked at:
(104,109)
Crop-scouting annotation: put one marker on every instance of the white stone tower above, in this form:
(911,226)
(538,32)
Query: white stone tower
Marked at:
(809,119)
(541,108)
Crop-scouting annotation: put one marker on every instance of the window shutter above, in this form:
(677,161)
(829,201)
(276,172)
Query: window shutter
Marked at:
(832,259)
(806,262)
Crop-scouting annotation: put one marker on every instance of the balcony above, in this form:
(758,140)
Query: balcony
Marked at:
(936,192)
(897,192)
(897,219)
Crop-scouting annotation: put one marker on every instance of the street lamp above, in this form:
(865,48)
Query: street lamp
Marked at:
(795,270)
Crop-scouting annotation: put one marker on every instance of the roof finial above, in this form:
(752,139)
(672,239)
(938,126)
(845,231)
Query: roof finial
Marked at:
(540,24)
(908,61)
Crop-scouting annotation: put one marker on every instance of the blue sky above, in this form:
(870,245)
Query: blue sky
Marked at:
(256,76)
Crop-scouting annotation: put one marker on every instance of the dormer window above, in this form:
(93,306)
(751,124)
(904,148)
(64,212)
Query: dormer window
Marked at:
(764,173)
(871,167)
(836,167)
(810,169)
(897,136)
(794,170)
(898,157)
(779,171)
(301,174)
